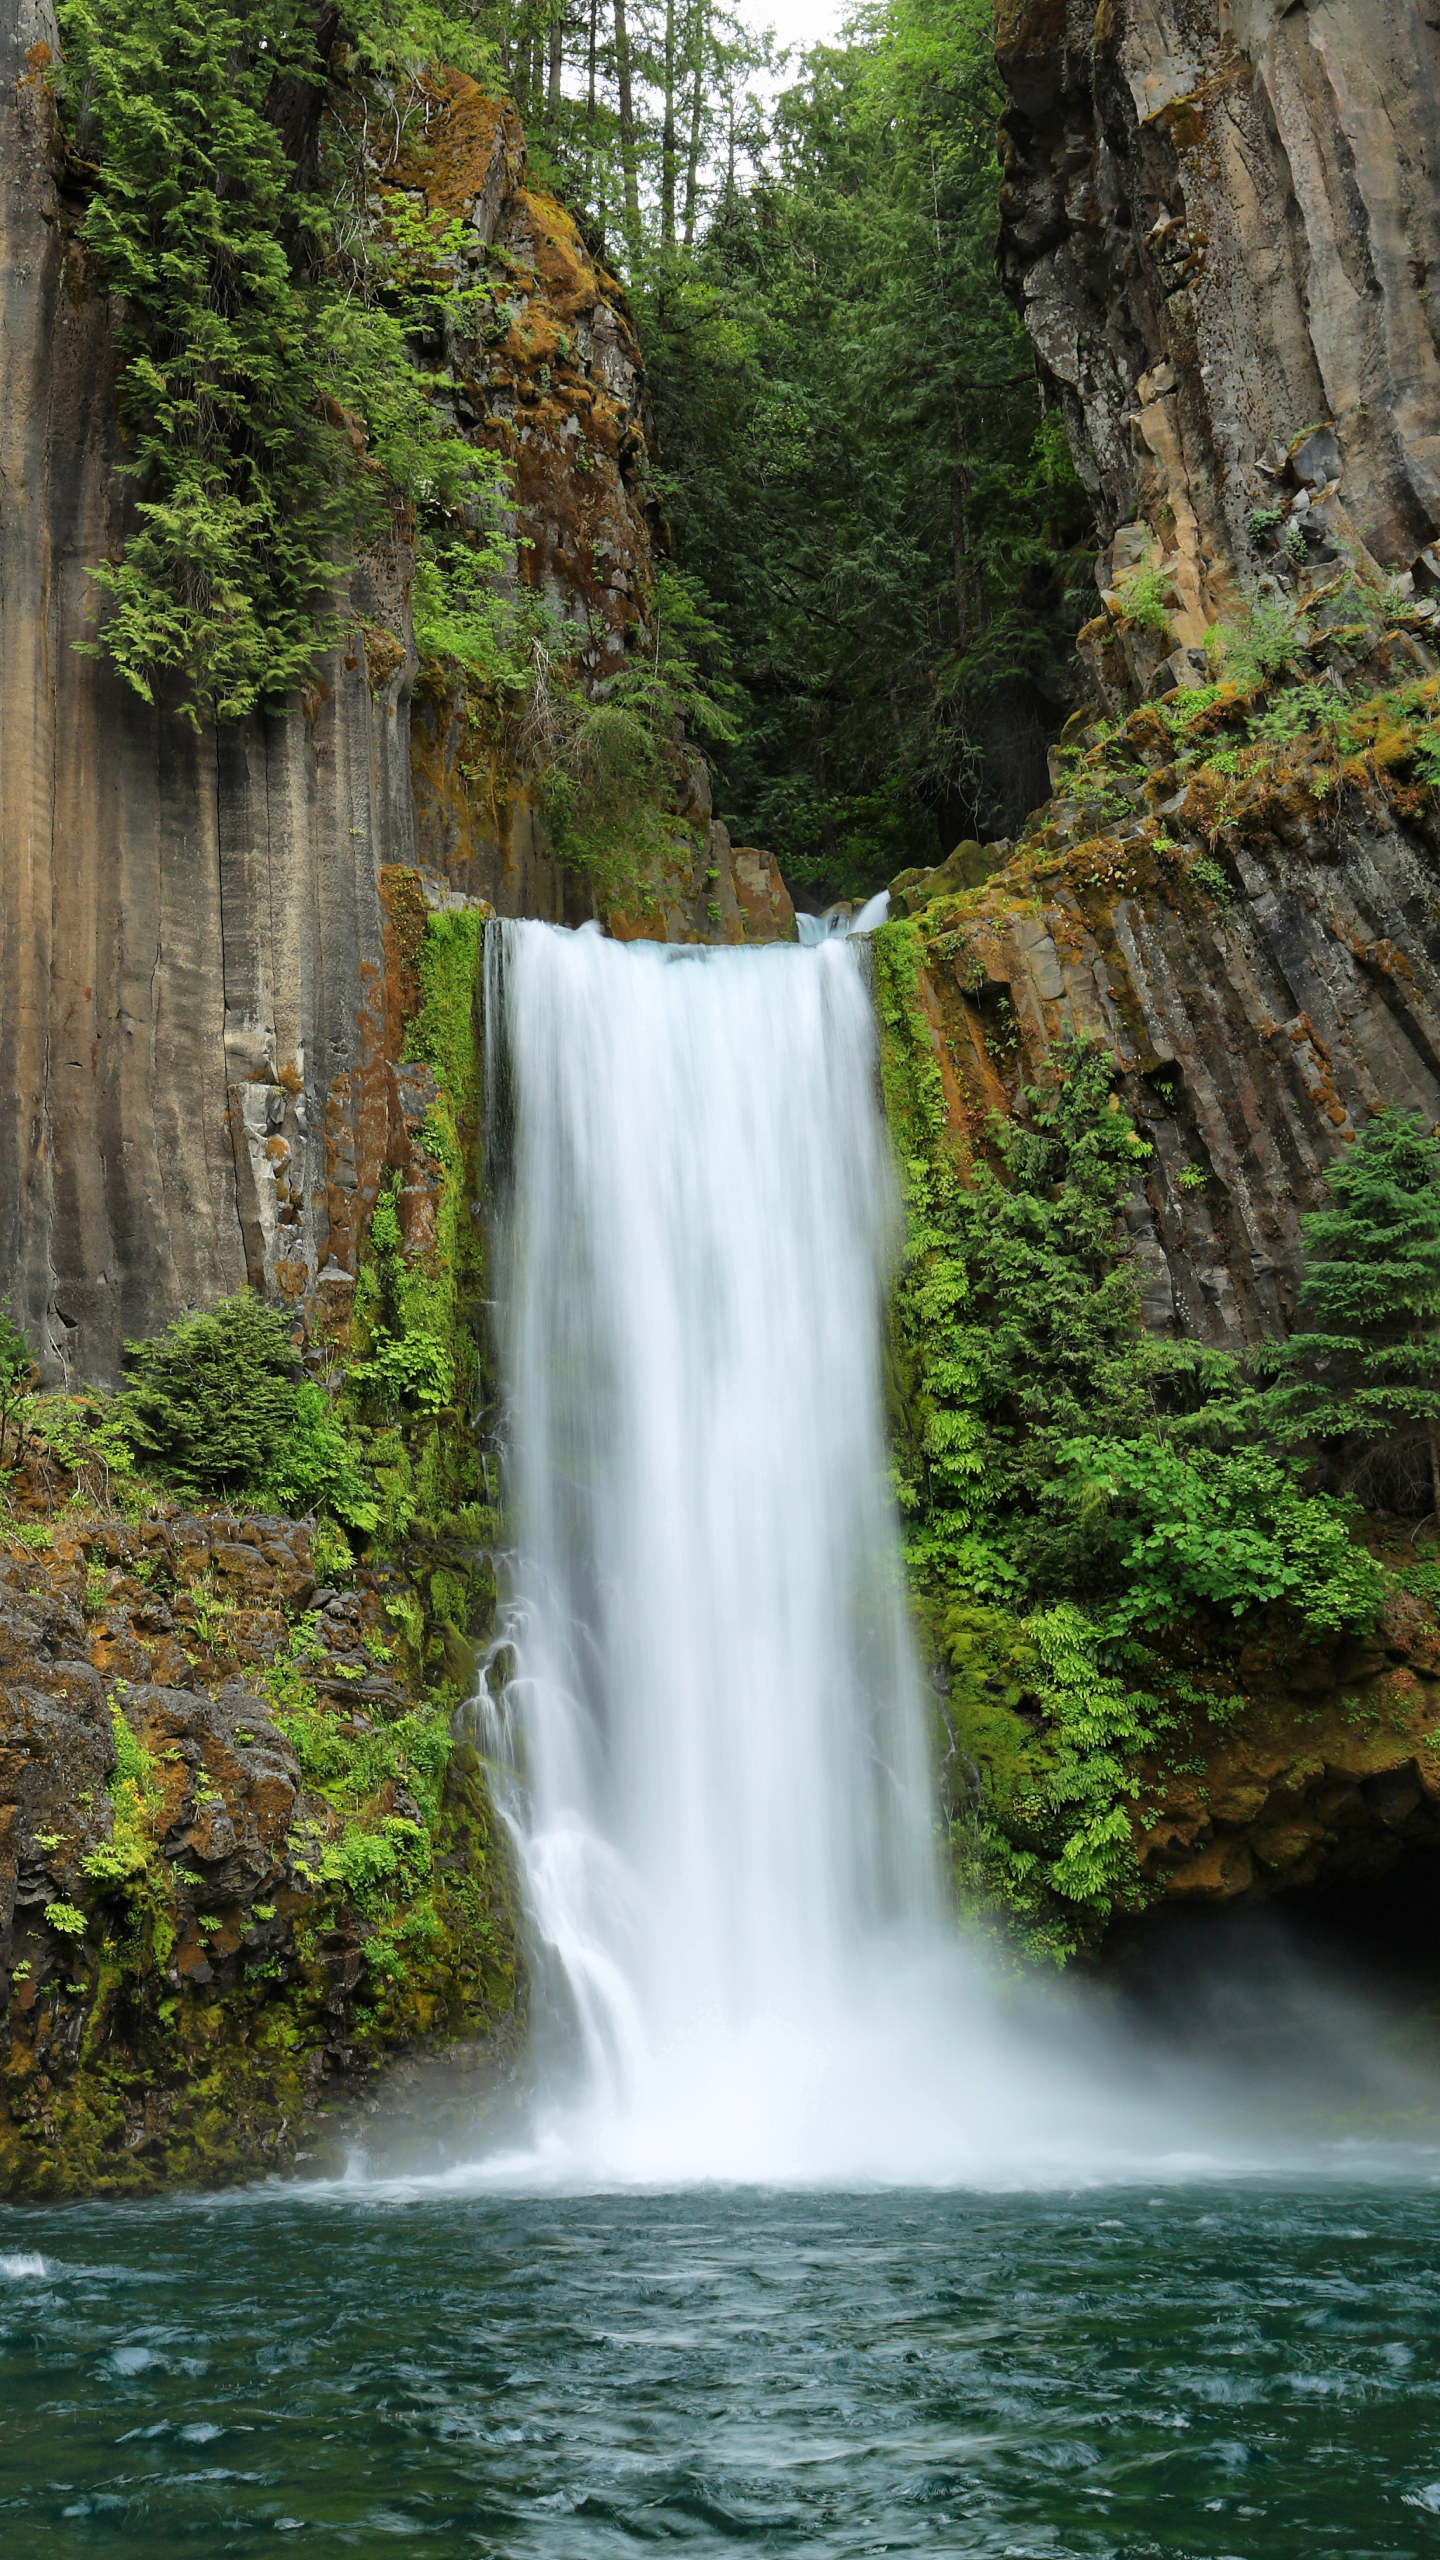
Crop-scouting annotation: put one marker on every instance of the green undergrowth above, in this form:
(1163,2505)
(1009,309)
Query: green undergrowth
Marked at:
(1306,736)
(1088,1514)
(387,1924)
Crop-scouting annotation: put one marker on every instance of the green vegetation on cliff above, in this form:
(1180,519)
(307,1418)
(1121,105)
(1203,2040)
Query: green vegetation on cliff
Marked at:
(1363,1373)
(855,461)
(275,411)
(1095,1523)
(276,1891)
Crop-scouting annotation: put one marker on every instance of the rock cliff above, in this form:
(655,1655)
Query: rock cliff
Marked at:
(1259,947)
(196,1026)
(206,1959)
(1220,219)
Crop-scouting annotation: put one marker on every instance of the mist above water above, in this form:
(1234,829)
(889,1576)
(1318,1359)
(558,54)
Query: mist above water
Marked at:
(717,1735)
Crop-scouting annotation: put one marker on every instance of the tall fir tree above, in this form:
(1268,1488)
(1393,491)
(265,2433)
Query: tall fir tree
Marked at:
(1366,1365)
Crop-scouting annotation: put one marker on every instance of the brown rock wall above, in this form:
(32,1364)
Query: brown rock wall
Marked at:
(196,1041)
(188,1050)
(1219,218)
(1260,1007)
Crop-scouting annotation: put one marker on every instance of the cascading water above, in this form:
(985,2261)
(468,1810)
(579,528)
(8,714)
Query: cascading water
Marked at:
(724,1736)
(723,1805)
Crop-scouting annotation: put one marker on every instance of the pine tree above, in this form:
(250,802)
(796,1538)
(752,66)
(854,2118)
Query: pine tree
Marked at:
(15,1367)
(1367,1364)
(211,1398)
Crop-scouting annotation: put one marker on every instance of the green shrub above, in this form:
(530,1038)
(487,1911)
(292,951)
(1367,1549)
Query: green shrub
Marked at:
(315,1467)
(245,343)
(1146,597)
(212,1399)
(15,1366)
(1165,1531)
(1263,641)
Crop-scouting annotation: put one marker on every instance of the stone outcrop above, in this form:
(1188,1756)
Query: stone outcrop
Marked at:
(1220,219)
(183,1994)
(1328,1775)
(1259,948)
(196,1056)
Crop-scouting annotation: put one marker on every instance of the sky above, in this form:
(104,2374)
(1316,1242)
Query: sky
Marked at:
(796,22)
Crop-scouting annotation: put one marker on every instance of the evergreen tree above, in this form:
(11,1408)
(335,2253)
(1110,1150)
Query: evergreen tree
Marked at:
(212,1398)
(856,463)
(15,1366)
(1366,1367)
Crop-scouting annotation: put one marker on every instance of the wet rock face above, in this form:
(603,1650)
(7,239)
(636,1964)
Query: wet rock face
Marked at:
(1262,962)
(1329,1775)
(190,1039)
(196,1034)
(183,1993)
(1218,218)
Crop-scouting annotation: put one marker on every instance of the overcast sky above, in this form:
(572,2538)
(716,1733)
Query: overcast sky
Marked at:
(796,22)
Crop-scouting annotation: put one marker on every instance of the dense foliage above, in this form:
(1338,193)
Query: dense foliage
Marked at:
(211,1399)
(1091,1516)
(273,386)
(1362,1375)
(857,463)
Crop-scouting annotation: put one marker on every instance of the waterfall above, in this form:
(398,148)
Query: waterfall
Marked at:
(716,1733)
(727,1825)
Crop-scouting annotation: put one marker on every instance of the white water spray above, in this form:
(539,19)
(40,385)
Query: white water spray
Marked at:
(724,1812)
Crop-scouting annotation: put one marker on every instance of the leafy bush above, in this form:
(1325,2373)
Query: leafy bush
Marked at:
(1168,1531)
(1264,640)
(1146,597)
(15,1367)
(315,1467)
(1303,710)
(211,1400)
(1212,878)
(365,1859)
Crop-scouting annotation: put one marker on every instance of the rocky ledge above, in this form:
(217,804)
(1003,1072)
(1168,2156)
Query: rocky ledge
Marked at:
(244,1864)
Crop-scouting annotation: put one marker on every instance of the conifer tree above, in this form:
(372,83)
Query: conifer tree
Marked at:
(15,1366)
(1367,1364)
(211,1398)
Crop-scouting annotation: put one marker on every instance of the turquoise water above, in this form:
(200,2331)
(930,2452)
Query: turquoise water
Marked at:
(1223,2373)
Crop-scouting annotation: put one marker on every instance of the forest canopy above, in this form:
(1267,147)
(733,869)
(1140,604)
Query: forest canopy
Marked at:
(856,456)
(874,522)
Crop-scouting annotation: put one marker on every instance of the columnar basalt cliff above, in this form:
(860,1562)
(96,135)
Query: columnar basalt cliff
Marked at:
(1220,218)
(1219,222)
(193,1000)
(1259,949)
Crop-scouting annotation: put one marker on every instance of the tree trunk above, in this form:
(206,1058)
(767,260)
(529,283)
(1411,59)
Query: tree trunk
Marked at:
(557,57)
(696,52)
(960,552)
(667,136)
(593,52)
(629,157)
(1435,1466)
